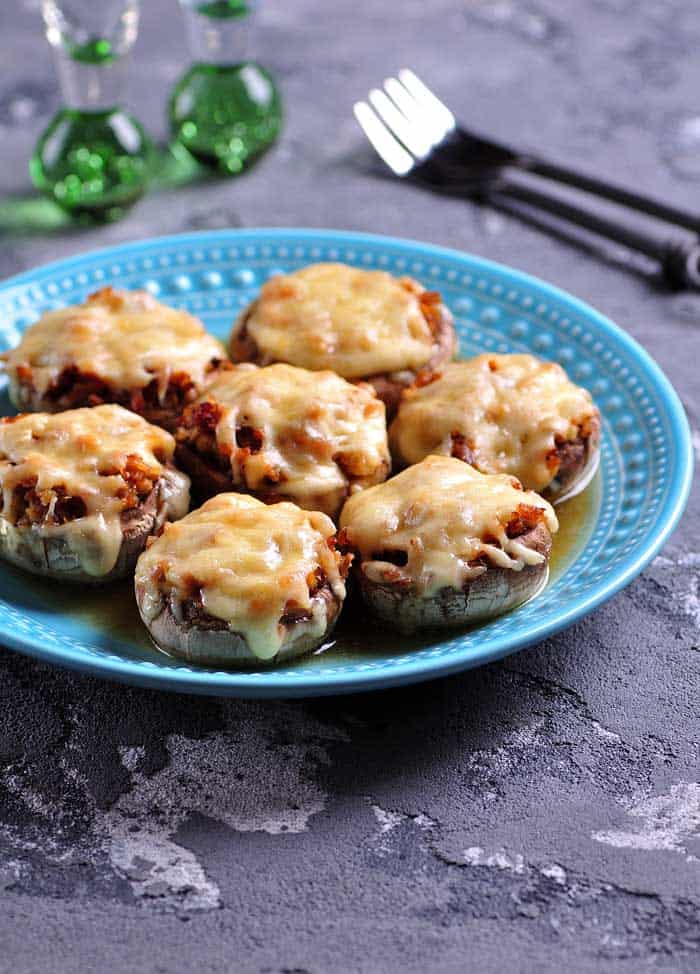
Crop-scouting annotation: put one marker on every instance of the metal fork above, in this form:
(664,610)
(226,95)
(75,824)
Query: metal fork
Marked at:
(418,138)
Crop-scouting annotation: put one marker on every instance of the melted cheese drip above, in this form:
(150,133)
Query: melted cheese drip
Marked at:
(438,512)
(330,316)
(309,421)
(70,450)
(125,338)
(510,408)
(248,560)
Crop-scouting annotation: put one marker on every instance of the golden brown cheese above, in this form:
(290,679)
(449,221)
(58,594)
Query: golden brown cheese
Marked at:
(82,451)
(125,338)
(247,560)
(512,411)
(444,515)
(331,316)
(320,434)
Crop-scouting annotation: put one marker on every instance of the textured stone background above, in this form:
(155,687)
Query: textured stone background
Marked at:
(540,814)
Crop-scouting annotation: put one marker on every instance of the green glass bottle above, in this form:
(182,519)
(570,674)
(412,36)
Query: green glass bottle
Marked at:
(226,109)
(94,157)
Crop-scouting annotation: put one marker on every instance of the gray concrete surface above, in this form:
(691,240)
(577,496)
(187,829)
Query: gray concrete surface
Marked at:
(541,814)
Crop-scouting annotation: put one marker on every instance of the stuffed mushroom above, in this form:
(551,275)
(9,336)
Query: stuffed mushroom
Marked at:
(117,347)
(283,433)
(82,491)
(444,545)
(241,583)
(361,324)
(510,414)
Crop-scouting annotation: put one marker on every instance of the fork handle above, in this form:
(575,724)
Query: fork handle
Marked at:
(527,162)
(609,191)
(679,259)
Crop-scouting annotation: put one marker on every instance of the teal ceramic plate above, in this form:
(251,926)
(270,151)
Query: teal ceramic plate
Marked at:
(608,534)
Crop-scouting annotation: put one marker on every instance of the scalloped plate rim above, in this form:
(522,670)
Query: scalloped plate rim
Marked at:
(242,684)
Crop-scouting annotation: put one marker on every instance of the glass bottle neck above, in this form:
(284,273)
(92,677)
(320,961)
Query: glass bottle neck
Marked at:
(91,86)
(217,40)
(91,40)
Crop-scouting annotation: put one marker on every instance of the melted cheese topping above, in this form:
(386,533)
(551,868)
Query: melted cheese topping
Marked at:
(330,316)
(320,433)
(512,410)
(126,338)
(439,512)
(82,451)
(249,561)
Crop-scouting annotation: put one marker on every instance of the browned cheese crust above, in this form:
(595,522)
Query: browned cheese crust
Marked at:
(513,414)
(390,386)
(80,492)
(88,349)
(441,544)
(388,383)
(239,583)
(284,433)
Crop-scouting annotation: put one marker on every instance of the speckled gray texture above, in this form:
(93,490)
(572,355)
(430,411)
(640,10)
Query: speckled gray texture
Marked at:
(541,814)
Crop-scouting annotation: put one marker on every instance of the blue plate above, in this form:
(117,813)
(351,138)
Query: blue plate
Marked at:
(608,534)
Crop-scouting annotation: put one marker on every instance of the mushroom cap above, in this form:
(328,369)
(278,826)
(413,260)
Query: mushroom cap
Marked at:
(496,591)
(209,641)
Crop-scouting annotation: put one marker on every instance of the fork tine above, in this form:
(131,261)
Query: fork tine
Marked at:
(431,128)
(386,146)
(425,96)
(411,136)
